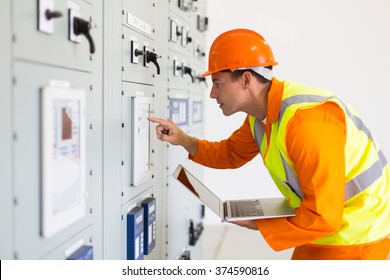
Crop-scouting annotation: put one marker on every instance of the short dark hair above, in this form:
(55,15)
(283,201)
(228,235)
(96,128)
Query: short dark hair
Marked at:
(238,73)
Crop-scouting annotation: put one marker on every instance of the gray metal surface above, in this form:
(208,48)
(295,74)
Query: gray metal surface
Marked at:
(113,82)
(6,164)
(40,60)
(53,49)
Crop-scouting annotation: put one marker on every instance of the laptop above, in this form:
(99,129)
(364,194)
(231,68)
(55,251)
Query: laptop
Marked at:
(234,210)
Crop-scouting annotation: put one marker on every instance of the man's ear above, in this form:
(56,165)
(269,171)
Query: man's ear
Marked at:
(247,78)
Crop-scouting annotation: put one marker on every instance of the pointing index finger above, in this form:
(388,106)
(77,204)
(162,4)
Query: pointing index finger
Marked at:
(156,120)
(162,122)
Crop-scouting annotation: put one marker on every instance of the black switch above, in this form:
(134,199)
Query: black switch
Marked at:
(82,27)
(152,57)
(192,234)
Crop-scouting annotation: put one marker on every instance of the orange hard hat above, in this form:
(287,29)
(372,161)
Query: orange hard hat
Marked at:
(239,49)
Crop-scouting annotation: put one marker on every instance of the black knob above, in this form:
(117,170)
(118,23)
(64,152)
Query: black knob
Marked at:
(202,79)
(200,52)
(81,26)
(52,14)
(138,52)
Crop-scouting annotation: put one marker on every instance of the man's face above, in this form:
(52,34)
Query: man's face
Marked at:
(227,92)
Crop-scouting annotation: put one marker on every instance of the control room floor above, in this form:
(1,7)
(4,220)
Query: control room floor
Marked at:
(230,242)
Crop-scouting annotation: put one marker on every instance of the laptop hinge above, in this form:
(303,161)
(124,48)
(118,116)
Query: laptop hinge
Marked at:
(225,210)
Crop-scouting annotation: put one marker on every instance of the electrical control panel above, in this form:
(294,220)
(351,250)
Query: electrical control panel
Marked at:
(57,129)
(83,173)
(186,92)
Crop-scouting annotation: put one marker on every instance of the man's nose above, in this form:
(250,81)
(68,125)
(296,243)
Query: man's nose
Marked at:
(213,93)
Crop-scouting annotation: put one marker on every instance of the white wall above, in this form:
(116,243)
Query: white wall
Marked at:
(339,45)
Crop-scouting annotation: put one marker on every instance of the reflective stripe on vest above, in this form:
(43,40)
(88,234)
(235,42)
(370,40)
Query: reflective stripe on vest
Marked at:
(291,178)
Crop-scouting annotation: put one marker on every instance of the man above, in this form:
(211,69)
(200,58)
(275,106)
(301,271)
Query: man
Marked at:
(318,151)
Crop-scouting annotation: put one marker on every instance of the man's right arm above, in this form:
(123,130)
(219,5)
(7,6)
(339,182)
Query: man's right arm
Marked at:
(233,152)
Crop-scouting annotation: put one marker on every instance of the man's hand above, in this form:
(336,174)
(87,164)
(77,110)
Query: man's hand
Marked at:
(249,224)
(168,131)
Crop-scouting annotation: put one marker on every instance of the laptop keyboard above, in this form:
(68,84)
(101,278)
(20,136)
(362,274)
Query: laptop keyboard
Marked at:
(246,208)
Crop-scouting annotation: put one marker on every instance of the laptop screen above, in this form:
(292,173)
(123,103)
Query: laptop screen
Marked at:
(199,190)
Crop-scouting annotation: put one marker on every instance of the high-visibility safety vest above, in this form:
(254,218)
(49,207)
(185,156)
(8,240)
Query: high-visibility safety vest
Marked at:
(366,214)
